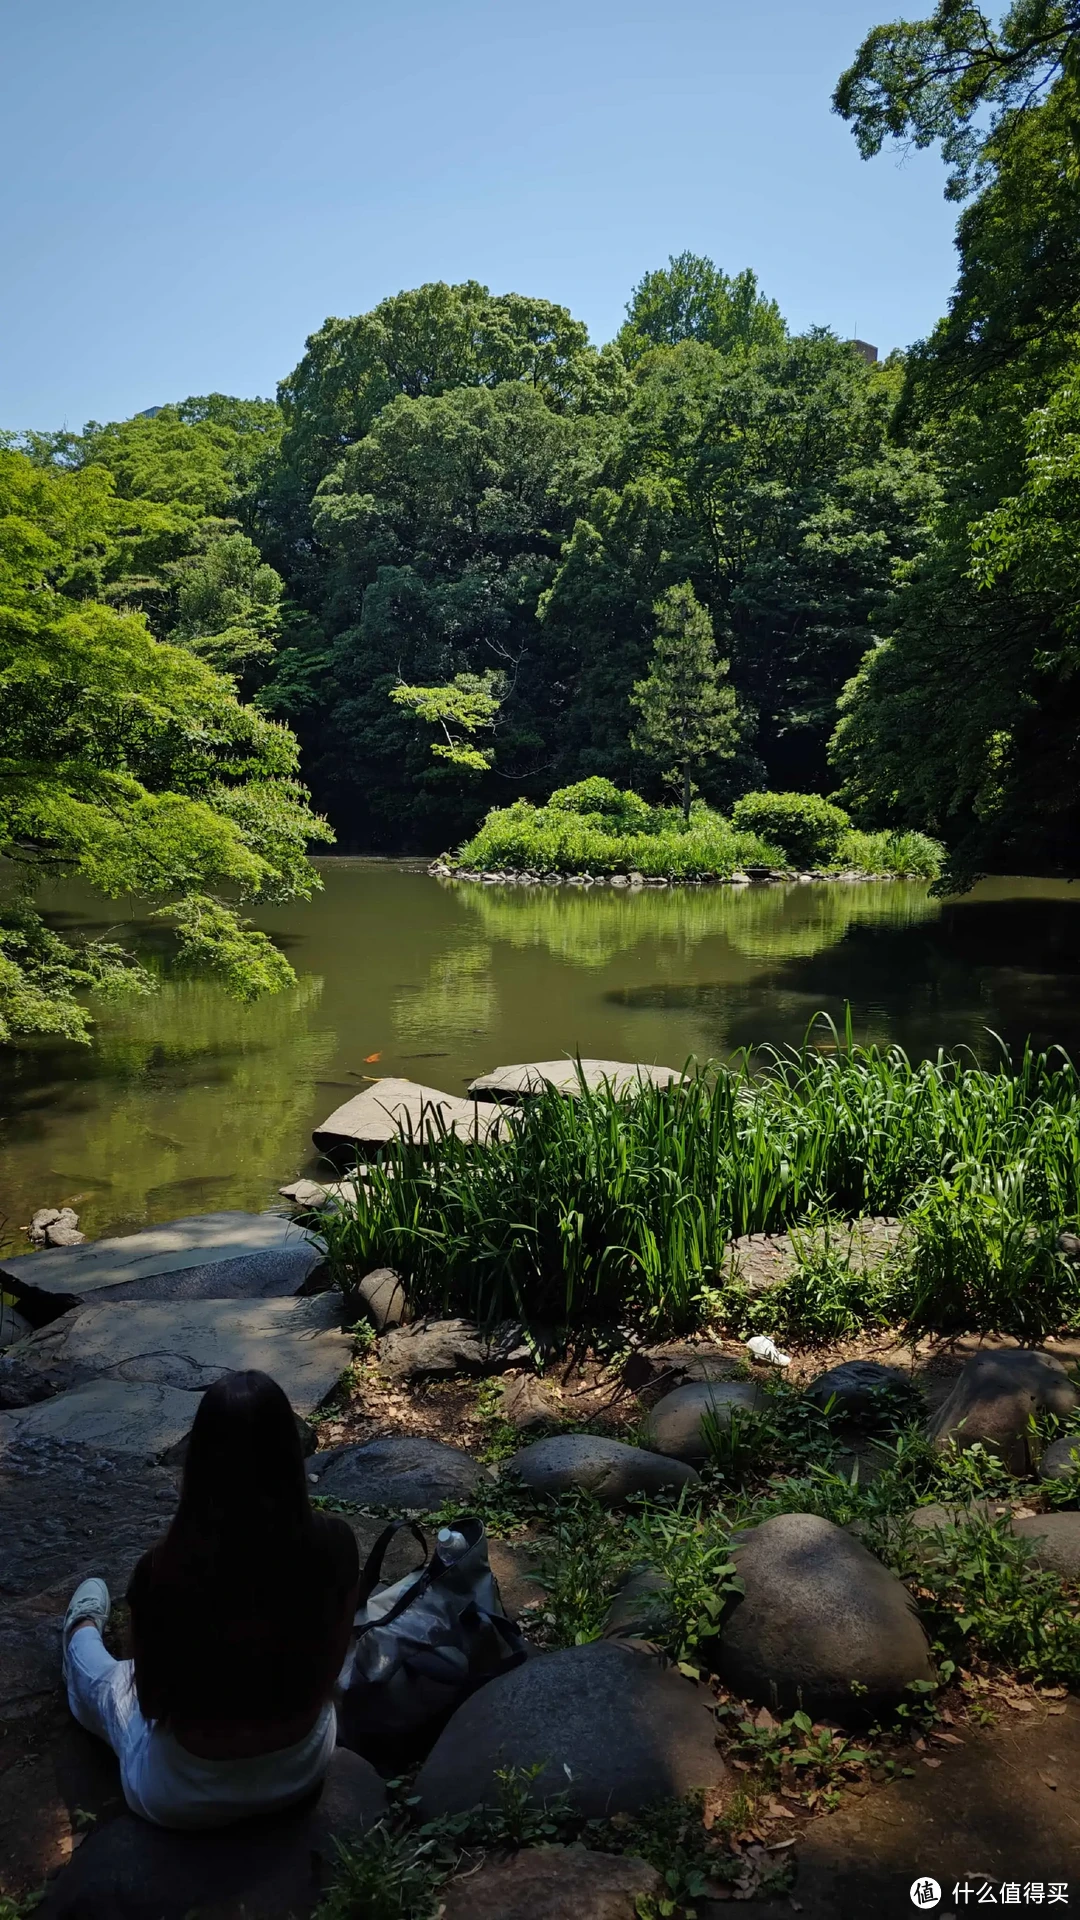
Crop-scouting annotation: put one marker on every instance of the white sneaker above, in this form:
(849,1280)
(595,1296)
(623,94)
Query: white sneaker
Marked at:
(764,1348)
(90,1601)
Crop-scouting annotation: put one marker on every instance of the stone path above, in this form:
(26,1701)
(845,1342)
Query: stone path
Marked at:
(391,1108)
(209,1256)
(566,1076)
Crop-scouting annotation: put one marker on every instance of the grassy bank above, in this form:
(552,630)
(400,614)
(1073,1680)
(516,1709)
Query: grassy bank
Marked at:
(596,1210)
(594,828)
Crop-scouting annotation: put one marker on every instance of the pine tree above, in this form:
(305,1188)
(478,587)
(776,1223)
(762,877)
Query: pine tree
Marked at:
(687,717)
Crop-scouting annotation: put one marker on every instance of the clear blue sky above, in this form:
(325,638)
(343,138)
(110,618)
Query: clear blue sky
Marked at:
(191,188)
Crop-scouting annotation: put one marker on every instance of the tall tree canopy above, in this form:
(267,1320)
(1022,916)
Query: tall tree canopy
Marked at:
(126,762)
(966,717)
(691,299)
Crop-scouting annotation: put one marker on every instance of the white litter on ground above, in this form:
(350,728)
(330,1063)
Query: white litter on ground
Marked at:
(764,1348)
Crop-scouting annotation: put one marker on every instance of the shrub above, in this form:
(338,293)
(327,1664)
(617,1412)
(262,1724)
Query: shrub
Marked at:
(910,856)
(657,842)
(808,828)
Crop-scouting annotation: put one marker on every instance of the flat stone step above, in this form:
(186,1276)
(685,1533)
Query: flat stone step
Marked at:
(393,1108)
(183,1345)
(117,1416)
(208,1256)
(566,1076)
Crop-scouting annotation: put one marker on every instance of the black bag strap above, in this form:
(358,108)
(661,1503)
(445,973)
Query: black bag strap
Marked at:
(374,1562)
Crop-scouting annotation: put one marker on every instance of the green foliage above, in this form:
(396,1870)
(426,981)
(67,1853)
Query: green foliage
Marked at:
(622,1208)
(389,1873)
(920,81)
(964,718)
(691,299)
(654,842)
(470,704)
(907,856)
(808,828)
(126,762)
(579,1563)
(686,719)
(984,1591)
(984,1250)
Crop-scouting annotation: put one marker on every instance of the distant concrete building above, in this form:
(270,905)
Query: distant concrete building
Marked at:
(151,413)
(866,351)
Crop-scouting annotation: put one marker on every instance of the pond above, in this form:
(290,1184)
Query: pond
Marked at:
(188,1103)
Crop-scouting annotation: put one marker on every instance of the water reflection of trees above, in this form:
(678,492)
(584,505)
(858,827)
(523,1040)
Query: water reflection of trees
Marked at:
(458,998)
(588,929)
(187,1102)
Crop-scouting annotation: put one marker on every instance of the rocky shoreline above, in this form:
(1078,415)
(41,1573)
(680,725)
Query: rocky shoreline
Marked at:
(442,869)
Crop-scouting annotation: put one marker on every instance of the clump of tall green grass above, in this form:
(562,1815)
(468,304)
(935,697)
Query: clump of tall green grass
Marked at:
(595,827)
(601,1209)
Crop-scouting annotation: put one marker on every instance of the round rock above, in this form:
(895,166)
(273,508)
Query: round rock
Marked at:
(402,1470)
(1061,1461)
(1054,1539)
(604,1723)
(608,1468)
(994,1398)
(674,1425)
(821,1624)
(382,1297)
(857,1388)
(275,1867)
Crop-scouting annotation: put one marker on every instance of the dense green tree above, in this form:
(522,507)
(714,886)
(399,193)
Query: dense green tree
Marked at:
(965,718)
(686,716)
(440,529)
(425,343)
(127,763)
(691,299)
(921,81)
(769,482)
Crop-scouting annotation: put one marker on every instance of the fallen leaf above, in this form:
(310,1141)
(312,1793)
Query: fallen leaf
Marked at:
(1048,1780)
(1055,1709)
(777,1812)
(950,1739)
(927,1762)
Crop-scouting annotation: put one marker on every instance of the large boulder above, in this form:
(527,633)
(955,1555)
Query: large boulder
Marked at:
(434,1349)
(569,1076)
(608,1468)
(553,1883)
(993,1401)
(675,1426)
(820,1623)
(402,1471)
(666,1365)
(1054,1539)
(273,1868)
(606,1724)
(859,1389)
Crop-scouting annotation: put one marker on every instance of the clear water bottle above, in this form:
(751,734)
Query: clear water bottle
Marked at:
(450,1545)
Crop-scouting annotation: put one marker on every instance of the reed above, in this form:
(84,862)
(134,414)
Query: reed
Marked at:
(618,1211)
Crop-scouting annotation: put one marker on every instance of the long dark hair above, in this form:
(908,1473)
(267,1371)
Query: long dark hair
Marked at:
(240,1531)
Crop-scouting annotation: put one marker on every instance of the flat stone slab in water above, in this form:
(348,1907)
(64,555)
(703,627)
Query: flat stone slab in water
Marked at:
(187,1345)
(209,1256)
(117,1416)
(566,1076)
(392,1109)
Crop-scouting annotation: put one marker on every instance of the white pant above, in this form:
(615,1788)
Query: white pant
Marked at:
(161,1780)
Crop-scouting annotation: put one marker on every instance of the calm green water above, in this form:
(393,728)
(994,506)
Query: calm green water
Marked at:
(188,1102)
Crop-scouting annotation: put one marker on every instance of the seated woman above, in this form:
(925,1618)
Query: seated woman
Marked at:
(240,1621)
